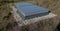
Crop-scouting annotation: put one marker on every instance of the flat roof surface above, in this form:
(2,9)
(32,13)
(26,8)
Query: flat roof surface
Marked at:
(29,9)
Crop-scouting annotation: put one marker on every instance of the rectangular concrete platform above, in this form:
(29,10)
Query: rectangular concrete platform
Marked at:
(22,22)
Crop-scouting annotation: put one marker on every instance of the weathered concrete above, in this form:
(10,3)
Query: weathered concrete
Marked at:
(44,23)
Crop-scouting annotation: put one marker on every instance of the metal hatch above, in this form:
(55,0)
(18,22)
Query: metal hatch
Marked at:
(30,10)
